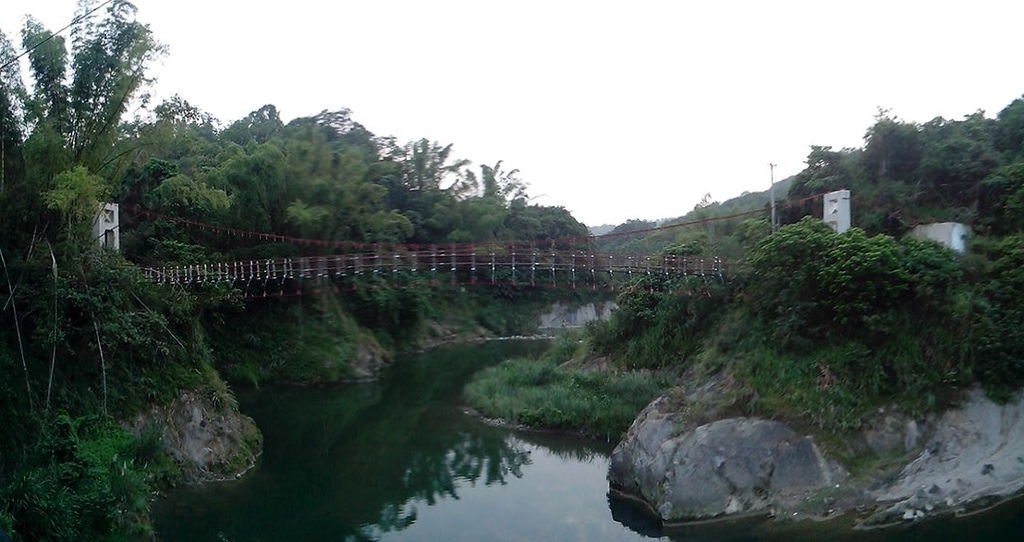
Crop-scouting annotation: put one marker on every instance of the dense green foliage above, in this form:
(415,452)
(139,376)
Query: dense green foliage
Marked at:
(85,341)
(86,478)
(540,393)
(834,324)
(660,322)
(907,173)
(823,328)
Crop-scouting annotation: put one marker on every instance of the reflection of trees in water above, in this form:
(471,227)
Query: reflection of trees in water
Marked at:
(568,447)
(435,474)
(354,462)
(413,446)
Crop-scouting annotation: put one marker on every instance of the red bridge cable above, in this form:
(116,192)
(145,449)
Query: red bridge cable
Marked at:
(344,244)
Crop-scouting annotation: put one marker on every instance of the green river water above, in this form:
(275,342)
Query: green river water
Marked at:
(399,459)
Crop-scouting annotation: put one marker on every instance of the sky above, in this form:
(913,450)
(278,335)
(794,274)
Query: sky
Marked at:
(615,110)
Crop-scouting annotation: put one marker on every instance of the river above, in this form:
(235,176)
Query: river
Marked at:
(399,459)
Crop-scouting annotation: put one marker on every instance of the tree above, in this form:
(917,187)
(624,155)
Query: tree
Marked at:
(77,196)
(11,94)
(259,126)
(892,149)
(1009,137)
(429,166)
(500,185)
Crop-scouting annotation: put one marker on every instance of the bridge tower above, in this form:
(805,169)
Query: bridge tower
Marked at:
(106,229)
(837,210)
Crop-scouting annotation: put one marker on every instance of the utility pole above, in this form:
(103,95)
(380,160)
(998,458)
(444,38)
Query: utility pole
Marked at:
(771,194)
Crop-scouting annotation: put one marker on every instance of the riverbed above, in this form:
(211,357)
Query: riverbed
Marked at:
(401,459)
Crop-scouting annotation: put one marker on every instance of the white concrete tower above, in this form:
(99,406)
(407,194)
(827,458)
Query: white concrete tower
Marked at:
(837,210)
(106,228)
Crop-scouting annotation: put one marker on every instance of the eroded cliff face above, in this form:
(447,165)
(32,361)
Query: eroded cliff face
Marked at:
(688,459)
(569,316)
(205,434)
(973,456)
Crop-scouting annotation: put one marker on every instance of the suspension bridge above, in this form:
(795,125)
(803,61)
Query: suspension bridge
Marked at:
(569,263)
(442,265)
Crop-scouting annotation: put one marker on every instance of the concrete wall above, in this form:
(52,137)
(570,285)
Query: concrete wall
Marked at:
(953,235)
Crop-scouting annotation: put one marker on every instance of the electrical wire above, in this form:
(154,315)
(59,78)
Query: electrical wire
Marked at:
(75,21)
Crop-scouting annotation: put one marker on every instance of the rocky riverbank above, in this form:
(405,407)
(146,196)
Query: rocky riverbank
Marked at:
(688,457)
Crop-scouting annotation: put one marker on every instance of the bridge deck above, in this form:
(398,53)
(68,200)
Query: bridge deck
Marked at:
(552,267)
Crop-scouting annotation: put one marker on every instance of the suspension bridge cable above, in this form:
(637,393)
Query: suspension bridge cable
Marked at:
(275,237)
(74,21)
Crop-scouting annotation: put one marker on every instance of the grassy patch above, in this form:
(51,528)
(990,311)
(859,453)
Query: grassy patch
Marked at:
(538,393)
(85,479)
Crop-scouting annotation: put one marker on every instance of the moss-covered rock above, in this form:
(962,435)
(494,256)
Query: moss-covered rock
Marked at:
(205,434)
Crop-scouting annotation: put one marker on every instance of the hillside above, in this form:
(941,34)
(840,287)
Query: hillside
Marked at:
(713,238)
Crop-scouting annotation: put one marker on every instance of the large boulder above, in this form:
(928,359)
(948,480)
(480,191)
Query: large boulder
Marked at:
(729,466)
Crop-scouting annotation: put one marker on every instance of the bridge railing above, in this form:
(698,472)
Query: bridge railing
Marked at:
(448,266)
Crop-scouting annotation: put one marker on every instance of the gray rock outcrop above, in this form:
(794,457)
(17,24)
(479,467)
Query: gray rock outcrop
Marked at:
(206,436)
(729,466)
(567,316)
(973,457)
(368,359)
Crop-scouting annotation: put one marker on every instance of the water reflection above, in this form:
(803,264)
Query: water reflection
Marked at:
(354,462)
(399,460)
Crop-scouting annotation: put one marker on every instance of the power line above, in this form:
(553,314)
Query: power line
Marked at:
(75,21)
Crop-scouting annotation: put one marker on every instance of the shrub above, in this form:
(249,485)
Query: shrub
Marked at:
(86,480)
(660,322)
(809,284)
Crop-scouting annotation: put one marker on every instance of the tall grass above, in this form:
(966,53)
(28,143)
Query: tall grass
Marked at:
(539,394)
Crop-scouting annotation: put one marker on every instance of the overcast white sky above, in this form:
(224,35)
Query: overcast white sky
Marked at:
(615,110)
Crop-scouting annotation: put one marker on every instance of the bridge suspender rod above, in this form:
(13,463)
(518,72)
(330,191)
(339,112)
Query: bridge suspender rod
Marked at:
(513,267)
(553,283)
(573,270)
(433,267)
(492,268)
(593,271)
(533,265)
(472,267)
(453,264)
